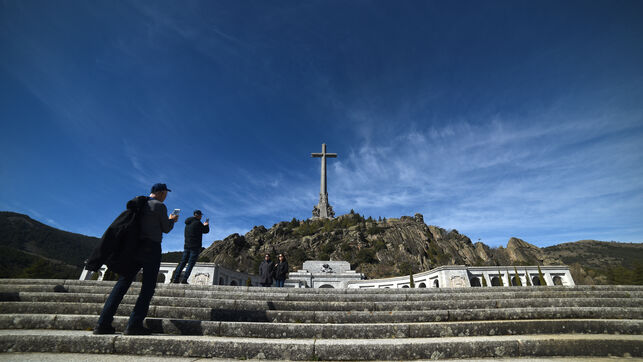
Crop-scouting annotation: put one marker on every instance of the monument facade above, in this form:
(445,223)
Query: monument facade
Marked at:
(323,210)
(324,274)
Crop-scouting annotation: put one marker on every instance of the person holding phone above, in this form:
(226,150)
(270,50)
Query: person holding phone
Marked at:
(194,231)
(154,221)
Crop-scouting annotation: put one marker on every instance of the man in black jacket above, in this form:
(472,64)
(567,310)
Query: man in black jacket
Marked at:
(194,231)
(266,271)
(153,222)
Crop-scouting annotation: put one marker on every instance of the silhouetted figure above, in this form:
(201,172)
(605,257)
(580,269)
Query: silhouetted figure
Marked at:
(153,223)
(194,231)
(281,271)
(266,271)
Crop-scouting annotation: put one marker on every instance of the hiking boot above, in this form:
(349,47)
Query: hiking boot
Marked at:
(99,329)
(137,330)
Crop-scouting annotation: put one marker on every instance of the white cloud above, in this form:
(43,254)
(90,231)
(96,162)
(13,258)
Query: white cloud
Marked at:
(501,177)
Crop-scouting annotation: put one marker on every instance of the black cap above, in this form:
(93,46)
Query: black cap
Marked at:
(159,187)
(197,212)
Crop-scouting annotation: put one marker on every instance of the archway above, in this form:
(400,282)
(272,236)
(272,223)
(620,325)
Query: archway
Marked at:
(495,282)
(233,283)
(326,286)
(422,285)
(221,281)
(405,286)
(160,278)
(535,281)
(475,282)
(436,284)
(514,281)
(557,280)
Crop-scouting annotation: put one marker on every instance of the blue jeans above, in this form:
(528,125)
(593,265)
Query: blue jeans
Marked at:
(150,274)
(280,283)
(190,257)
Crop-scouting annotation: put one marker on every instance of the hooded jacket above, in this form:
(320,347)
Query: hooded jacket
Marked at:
(194,231)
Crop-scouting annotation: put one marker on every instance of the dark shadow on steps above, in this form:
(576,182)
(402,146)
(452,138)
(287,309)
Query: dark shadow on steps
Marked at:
(175,326)
(232,315)
(9,297)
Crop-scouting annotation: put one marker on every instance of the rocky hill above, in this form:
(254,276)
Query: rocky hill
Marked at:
(378,248)
(31,249)
(384,248)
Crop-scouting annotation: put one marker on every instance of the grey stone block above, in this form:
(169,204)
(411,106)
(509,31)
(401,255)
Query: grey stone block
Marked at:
(27,321)
(578,345)
(409,349)
(215,348)
(57,343)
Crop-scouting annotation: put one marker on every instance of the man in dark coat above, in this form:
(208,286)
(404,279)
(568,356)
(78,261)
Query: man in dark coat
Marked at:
(194,231)
(266,271)
(153,223)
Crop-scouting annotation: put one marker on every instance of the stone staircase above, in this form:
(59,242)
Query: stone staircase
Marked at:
(57,316)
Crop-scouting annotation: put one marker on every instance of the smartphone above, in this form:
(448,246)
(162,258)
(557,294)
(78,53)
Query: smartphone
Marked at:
(176,211)
(207,220)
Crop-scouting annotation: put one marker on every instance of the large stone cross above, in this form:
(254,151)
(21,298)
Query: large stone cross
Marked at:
(323,209)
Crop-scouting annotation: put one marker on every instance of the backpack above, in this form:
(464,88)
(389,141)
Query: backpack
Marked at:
(119,244)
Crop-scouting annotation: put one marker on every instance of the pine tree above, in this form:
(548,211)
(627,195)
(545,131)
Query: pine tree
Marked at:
(484,281)
(411,282)
(527,278)
(541,277)
(518,281)
(502,284)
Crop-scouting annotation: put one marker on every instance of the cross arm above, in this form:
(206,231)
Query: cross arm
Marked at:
(323,154)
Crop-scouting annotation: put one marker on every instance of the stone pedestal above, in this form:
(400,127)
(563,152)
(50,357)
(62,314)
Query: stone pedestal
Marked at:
(323,210)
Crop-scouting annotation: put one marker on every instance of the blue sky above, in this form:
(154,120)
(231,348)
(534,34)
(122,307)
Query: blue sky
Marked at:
(496,118)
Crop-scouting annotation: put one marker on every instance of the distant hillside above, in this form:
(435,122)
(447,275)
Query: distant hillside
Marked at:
(30,249)
(378,248)
(384,248)
(603,262)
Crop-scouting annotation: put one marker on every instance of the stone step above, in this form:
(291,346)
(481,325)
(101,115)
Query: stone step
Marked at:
(334,331)
(255,305)
(577,345)
(93,357)
(110,284)
(188,292)
(239,312)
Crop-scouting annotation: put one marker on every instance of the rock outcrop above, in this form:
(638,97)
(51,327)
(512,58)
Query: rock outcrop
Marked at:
(378,248)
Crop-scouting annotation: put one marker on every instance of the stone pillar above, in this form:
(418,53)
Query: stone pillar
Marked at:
(323,209)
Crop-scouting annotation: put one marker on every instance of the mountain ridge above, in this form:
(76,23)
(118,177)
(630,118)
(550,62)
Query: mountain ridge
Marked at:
(32,249)
(399,246)
(378,248)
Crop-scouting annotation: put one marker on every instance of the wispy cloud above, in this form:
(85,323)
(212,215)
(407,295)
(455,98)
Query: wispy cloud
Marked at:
(494,178)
